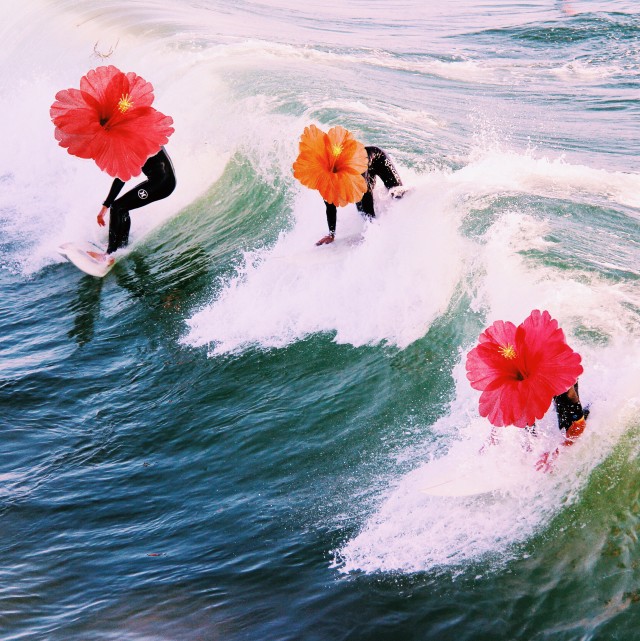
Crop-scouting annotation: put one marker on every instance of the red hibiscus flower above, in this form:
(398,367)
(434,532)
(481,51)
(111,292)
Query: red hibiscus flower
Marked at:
(520,369)
(110,119)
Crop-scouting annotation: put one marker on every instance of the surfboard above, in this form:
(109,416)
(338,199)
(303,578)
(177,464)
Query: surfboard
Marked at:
(77,253)
(321,254)
(471,477)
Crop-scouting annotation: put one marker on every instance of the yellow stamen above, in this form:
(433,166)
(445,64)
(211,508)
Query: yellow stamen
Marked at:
(336,150)
(508,352)
(125,103)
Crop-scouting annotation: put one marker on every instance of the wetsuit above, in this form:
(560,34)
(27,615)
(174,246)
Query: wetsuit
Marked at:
(379,165)
(568,411)
(161,181)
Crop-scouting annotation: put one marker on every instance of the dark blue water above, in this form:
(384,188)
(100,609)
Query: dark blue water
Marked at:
(227,437)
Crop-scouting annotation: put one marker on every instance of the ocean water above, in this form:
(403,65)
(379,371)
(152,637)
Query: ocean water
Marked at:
(227,437)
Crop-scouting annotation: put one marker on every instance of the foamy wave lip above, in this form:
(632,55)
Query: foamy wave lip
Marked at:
(496,171)
(497,71)
(384,281)
(578,71)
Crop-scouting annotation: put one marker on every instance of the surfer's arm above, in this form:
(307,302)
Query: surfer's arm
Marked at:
(116,188)
(331,223)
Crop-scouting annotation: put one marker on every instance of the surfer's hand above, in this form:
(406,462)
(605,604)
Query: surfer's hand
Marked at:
(101,215)
(546,461)
(492,440)
(397,192)
(325,240)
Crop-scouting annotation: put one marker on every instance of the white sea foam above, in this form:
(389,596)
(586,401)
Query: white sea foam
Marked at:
(409,531)
(380,281)
(387,281)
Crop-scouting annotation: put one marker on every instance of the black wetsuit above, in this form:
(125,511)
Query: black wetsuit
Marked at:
(161,181)
(379,165)
(568,411)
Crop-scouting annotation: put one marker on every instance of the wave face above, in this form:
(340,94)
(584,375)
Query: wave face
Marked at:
(231,434)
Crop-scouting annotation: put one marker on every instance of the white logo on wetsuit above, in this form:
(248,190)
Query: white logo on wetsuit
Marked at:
(142,194)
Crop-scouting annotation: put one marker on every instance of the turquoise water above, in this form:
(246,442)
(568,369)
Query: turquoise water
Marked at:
(227,437)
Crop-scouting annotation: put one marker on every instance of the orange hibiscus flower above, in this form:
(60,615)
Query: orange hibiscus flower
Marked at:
(332,163)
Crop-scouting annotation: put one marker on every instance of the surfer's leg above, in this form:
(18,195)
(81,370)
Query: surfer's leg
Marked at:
(146,192)
(139,196)
(119,225)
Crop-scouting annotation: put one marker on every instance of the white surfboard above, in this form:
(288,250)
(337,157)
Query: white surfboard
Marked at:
(470,477)
(77,253)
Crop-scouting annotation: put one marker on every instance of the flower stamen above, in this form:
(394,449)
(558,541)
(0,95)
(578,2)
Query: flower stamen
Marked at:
(508,351)
(125,103)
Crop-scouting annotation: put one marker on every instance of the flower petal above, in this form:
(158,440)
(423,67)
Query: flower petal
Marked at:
(333,164)
(110,119)
(518,382)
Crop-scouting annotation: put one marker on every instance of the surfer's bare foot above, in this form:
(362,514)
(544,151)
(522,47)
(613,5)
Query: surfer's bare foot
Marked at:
(325,240)
(102,258)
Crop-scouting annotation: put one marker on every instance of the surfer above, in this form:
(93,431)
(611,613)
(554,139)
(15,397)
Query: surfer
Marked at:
(160,183)
(379,165)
